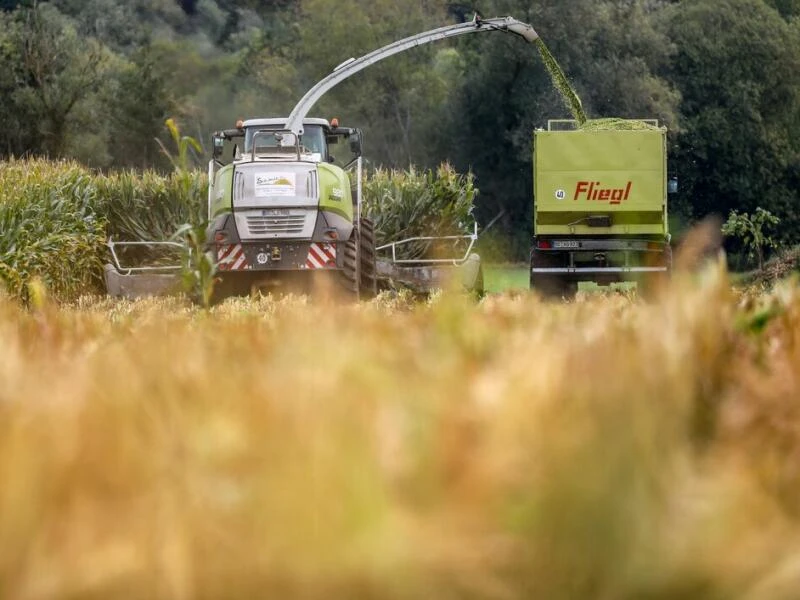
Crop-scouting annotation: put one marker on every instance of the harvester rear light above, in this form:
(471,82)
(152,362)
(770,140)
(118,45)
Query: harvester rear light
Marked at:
(220,237)
(544,245)
(332,234)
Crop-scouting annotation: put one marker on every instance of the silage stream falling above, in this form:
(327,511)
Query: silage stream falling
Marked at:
(561,83)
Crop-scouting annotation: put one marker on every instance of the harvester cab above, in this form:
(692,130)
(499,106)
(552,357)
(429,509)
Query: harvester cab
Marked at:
(282,208)
(269,140)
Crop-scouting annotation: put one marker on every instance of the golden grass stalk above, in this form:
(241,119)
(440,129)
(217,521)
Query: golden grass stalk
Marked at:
(605,448)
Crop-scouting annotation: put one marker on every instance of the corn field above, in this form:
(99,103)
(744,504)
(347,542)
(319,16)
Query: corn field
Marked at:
(56,216)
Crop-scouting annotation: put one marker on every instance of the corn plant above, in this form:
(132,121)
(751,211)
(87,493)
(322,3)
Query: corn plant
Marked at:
(416,203)
(150,206)
(183,143)
(55,217)
(51,228)
(199,269)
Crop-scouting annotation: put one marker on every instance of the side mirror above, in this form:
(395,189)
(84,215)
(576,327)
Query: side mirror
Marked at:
(218,143)
(355,143)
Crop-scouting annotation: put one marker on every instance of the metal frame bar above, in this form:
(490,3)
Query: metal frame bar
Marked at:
(599,270)
(472,237)
(130,270)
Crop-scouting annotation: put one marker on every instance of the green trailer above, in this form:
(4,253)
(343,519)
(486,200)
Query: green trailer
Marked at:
(600,205)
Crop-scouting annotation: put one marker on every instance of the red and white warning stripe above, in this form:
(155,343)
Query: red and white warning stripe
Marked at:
(321,256)
(231,258)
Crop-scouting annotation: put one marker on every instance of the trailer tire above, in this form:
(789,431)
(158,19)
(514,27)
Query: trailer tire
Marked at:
(479,289)
(367,261)
(549,286)
(655,283)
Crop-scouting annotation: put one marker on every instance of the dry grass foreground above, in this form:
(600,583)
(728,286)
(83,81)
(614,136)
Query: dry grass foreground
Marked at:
(606,448)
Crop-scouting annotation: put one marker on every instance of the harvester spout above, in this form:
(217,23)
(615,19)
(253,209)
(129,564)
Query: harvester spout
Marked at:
(522,29)
(353,66)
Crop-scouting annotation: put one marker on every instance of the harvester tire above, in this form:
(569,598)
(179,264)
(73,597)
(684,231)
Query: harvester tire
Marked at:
(348,273)
(224,287)
(367,261)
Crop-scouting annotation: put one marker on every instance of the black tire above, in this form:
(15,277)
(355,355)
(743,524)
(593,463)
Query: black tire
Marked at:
(367,263)
(655,283)
(227,286)
(551,286)
(668,258)
(479,289)
(348,274)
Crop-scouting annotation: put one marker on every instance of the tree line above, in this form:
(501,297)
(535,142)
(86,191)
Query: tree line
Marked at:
(96,79)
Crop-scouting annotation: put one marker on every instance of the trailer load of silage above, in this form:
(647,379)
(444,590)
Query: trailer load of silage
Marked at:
(618,124)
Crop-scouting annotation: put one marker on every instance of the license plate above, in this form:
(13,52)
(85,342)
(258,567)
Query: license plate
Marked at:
(275,212)
(566,244)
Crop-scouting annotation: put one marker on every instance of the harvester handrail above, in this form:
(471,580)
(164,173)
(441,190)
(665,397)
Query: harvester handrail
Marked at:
(472,237)
(352,66)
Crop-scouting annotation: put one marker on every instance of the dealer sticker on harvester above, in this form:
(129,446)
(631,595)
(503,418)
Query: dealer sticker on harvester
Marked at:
(274,184)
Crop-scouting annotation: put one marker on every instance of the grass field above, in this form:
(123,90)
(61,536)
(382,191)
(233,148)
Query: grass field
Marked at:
(503,278)
(508,448)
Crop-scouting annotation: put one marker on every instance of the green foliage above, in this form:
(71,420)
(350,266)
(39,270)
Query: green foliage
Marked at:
(750,230)
(57,75)
(406,204)
(143,101)
(738,69)
(396,102)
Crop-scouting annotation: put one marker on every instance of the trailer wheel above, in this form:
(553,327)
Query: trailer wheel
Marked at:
(367,262)
(552,286)
(655,283)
